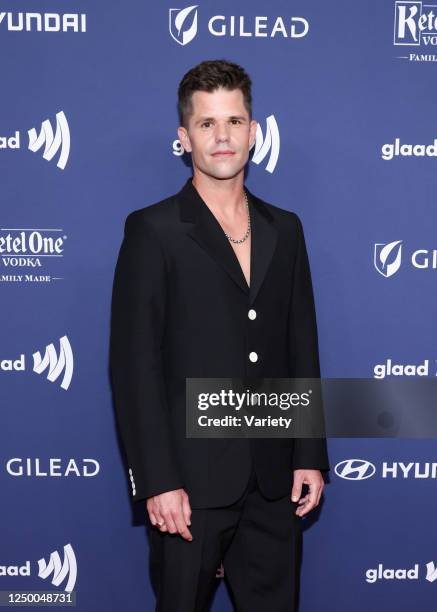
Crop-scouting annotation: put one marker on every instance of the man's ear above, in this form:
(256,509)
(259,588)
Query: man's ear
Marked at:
(252,133)
(184,138)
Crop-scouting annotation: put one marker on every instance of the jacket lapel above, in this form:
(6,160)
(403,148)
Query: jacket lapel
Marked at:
(208,233)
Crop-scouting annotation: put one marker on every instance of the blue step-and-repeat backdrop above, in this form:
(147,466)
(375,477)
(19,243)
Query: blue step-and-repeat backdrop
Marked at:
(345,97)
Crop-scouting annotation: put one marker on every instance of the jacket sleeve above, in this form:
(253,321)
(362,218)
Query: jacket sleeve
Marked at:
(308,453)
(136,336)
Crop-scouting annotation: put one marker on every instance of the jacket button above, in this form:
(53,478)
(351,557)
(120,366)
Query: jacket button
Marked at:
(253,356)
(252,314)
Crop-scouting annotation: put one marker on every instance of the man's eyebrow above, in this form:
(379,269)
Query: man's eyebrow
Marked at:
(201,119)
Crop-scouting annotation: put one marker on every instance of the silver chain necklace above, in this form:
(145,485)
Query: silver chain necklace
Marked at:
(246,235)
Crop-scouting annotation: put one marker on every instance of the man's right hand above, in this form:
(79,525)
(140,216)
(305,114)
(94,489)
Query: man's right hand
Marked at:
(171,512)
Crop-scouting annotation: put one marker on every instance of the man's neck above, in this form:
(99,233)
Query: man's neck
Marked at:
(224,197)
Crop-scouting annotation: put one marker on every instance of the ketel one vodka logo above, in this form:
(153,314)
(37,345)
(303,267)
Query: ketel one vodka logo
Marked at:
(57,367)
(415,23)
(51,144)
(30,248)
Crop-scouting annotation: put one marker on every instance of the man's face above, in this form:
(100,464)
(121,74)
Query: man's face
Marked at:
(219,133)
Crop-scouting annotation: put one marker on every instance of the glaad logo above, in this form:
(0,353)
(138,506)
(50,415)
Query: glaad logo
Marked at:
(43,22)
(52,142)
(394,369)
(355,469)
(263,146)
(183,26)
(387,258)
(382,254)
(431,572)
(52,467)
(272,143)
(61,571)
(389,150)
(381,573)
(56,364)
(30,248)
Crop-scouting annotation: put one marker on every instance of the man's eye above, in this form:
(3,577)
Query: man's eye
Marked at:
(236,120)
(206,124)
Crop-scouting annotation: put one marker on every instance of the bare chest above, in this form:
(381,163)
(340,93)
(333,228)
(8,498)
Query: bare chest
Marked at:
(242,251)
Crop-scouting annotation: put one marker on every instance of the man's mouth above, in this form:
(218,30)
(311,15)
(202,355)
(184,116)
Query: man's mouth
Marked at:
(223,153)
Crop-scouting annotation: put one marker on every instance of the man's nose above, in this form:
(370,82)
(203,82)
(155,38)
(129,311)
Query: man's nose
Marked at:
(222,132)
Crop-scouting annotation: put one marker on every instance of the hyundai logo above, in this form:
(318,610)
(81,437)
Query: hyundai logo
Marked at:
(355,469)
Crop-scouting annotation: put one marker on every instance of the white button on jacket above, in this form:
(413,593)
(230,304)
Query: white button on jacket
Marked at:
(253,356)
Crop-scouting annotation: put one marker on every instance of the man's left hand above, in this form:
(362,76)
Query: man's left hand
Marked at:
(314,480)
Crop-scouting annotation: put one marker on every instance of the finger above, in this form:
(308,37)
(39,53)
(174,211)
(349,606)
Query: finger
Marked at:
(160,520)
(303,500)
(153,510)
(320,493)
(308,505)
(181,526)
(153,518)
(169,522)
(186,510)
(296,491)
(304,509)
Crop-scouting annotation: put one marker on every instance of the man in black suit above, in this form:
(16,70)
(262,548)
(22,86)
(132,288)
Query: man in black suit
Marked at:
(213,282)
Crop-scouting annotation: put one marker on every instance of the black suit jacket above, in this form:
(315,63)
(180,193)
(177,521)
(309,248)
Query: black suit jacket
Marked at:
(180,309)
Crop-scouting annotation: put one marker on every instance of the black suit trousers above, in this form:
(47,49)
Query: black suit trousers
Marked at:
(259,543)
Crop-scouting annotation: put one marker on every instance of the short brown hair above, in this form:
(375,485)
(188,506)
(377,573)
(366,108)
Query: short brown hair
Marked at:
(209,76)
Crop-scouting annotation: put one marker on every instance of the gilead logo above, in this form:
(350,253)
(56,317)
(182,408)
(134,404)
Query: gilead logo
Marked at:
(382,573)
(258,27)
(387,258)
(183,25)
(52,467)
